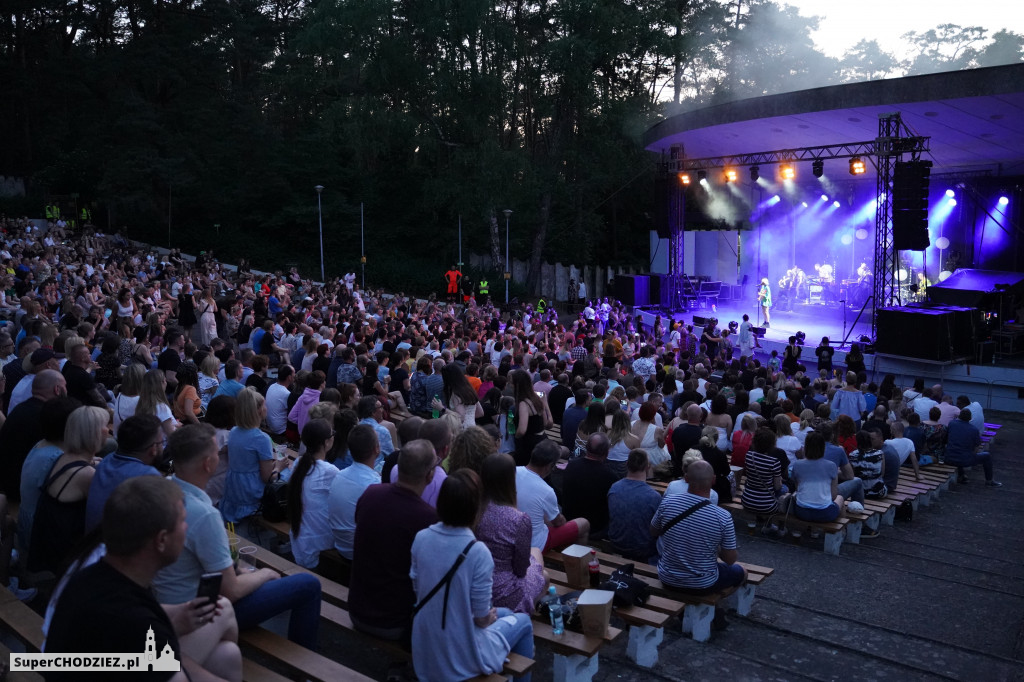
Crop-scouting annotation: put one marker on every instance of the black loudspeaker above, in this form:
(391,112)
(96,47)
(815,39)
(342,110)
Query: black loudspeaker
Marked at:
(926,333)
(910,205)
(660,290)
(662,199)
(632,290)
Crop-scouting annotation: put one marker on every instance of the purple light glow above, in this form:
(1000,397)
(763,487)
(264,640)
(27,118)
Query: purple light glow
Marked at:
(1003,201)
(950,193)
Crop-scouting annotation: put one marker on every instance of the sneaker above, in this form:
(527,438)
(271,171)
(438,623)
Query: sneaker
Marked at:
(993,484)
(796,534)
(815,533)
(854,506)
(868,533)
(25,595)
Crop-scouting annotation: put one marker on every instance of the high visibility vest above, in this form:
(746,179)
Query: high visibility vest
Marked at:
(541,306)
(86,215)
(483,286)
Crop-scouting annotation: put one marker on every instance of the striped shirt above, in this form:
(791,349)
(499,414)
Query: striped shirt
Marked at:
(759,486)
(689,550)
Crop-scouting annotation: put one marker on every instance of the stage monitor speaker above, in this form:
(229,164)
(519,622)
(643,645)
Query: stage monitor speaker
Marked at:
(632,290)
(925,333)
(910,205)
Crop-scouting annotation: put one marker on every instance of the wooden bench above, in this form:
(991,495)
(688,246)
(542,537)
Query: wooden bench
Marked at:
(833,531)
(334,610)
(698,611)
(554,433)
(309,664)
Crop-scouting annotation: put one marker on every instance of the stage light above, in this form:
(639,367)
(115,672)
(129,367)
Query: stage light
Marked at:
(942,243)
(952,202)
(776,198)
(804,204)
(1003,201)
(818,168)
(835,203)
(846,239)
(755,173)
(730,175)
(824,197)
(861,233)
(787,171)
(702,176)
(684,178)
(800,338)
(950,193)
(857,166)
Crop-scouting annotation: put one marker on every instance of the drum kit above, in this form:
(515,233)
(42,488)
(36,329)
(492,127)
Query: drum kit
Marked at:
(821,289)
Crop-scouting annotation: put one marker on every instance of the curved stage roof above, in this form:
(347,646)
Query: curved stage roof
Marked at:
(975,119)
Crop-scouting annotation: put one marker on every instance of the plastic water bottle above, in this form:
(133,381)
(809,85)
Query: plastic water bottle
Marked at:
(555,611)
(510,423)
(434,412)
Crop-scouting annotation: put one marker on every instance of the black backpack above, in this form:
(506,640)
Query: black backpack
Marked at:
(274,505)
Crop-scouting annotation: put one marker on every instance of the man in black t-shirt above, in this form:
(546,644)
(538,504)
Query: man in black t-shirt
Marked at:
(81,386)
(108,607)
(169,360)
(558,397)
(585,486)
(685,436)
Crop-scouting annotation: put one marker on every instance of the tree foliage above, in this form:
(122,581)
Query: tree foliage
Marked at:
(212,120)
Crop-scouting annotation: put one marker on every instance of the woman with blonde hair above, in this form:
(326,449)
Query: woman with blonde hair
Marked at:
(59,523)
(153,400)
(621,441)
(127,399)
(208,382)
(250,458)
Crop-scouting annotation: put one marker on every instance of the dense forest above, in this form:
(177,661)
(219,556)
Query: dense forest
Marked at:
(211,121)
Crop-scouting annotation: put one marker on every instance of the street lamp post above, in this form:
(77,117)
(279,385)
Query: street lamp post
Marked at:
(508,271)
(319,189)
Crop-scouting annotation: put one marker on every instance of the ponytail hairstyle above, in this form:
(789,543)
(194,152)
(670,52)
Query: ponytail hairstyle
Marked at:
(315,436)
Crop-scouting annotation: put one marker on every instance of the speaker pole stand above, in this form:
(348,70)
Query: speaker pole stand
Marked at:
(846,335)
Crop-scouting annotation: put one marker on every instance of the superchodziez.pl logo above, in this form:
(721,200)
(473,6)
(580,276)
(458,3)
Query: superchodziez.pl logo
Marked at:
(148,660)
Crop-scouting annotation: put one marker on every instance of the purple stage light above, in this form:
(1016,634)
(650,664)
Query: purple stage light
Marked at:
(824,197)
(952,202)
(836,204)
(1003,201)
(804,204)
(950,193)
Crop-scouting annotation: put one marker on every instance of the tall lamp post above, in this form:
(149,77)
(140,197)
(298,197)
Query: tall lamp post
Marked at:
(508,270)
(319,190)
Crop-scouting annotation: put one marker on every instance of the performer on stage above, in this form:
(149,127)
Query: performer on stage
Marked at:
(764,299)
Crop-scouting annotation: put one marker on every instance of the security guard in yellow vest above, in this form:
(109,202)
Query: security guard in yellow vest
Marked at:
(482,287)
(541,306)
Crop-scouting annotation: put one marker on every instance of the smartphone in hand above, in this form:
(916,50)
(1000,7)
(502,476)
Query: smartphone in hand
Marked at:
(209,587)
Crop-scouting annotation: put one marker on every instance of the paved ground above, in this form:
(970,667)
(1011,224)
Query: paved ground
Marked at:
(941,597)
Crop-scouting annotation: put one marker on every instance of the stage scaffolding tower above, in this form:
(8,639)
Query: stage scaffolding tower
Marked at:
(893,141)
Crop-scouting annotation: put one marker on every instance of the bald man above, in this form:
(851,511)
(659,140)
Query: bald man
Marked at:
(685,437)
(23,429)
(697,540)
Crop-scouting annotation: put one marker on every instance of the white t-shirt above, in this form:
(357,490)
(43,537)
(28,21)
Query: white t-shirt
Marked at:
(537,500)
(124,407)
(277,408)
(903,446)
(680,486)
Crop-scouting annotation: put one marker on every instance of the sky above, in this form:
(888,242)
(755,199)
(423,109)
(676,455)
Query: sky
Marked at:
(845,22)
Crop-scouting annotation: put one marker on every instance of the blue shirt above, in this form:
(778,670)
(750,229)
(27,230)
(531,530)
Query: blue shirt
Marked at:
(836,454)
(850,403)
(37,467)
(631,506)
(346,489)
(111,472)
(962,439)
(243,486)
(229,387)
(814,478)
(383,436)
(206,549)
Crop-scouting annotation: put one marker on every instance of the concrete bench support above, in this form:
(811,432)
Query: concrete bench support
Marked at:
(697,620)
(642,647)
(742,599)
(853,529)
(575,668)
(833,541)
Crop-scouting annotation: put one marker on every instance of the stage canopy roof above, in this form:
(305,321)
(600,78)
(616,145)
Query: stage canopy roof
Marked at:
(975,119)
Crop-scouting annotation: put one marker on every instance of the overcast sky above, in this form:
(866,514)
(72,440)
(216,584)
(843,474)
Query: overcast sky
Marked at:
(845,22)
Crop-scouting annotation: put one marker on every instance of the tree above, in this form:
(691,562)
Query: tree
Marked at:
(947,47)
(867,61)
(1006,48)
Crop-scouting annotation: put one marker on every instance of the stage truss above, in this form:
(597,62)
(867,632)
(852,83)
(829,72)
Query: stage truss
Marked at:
(893,142)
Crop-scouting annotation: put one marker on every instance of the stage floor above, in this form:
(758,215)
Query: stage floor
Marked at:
(815,321)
